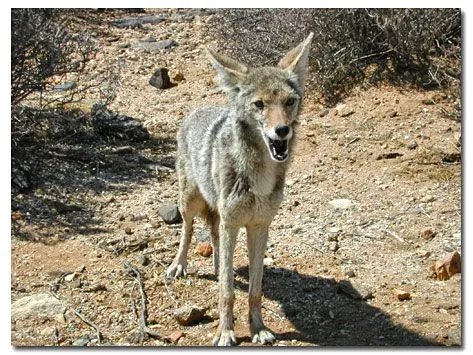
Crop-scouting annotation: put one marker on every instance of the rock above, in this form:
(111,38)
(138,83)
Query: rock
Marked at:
(427,233)
(178,76)
(412,145)
(155,46)
(149,39)
(344,111)
(358,292)
(70,277)
(451,158)
(401,295)
(391,155)
(107,123)
(341,204)
(128,230)
(68,85)
(188,315)
(424,254)
(204,249)
(83,341)
(448,266)
(324,112)
(350,273)
(454,336)
(160,79)
(393,114)
(38,305)
(427,199)
(175,336)
(268,261)
(136,22)
(428,102)
(144,259)
(170,214)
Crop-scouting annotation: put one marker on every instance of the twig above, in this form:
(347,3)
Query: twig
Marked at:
(321,251)
(169,291)
(144,329)
(90,324)
(392,234)
(356,139)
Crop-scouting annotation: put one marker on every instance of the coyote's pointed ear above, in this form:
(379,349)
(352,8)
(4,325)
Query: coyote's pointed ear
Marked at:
(230,72)
(297,60)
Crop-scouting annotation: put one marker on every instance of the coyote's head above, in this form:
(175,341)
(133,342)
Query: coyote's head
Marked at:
(267,98)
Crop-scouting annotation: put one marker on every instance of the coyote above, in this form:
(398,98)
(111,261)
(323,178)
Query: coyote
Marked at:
(231,164)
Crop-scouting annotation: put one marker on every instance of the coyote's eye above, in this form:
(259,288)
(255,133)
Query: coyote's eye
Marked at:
(290,101)
(259,104)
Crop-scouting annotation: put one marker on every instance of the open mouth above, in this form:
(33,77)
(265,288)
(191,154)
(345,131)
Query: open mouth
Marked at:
(278,149)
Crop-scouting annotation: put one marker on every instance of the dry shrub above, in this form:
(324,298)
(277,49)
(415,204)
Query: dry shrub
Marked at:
(420,47)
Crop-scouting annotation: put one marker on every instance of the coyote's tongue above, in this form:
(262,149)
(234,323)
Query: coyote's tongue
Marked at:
(279,149)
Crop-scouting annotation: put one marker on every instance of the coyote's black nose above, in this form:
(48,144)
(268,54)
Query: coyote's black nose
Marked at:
(282,130)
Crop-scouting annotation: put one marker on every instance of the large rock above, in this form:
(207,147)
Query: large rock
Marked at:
(110,124)
(448,266)
(189,315)
(38,305)
(170,214)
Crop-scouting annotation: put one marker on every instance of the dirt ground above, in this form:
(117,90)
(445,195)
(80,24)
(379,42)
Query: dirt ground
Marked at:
(332,271)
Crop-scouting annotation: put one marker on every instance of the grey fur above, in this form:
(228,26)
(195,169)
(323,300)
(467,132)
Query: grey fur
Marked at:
(231,165)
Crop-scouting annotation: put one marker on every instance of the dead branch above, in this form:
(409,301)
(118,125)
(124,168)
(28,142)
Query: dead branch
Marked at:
(144,329)
(90,324)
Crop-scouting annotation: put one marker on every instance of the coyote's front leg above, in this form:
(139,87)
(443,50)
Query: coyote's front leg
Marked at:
(256,241)
(225,335)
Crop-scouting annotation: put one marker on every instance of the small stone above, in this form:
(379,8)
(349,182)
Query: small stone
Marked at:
(344,111)
(188,315)
(334,230)
(144,259)
(69,277)
(448,266)
(341,204)
(160,79)
(268,261)
(424,254)
(333,246)
(170,214)
(128,230)
(428,102)
(324,112)
(350,273)
(427,199)
(393,114)
(412,145)
(402,295)
(178,77)
(427,233)
(204,249)
(175,336)
(68,85)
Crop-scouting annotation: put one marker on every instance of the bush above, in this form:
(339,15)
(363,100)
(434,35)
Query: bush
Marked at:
(421,47)
(43,47)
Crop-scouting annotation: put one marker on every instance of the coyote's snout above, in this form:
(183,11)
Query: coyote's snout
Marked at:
(231,165)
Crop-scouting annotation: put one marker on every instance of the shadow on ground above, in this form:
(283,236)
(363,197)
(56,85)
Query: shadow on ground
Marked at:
(325,312)
(63,171)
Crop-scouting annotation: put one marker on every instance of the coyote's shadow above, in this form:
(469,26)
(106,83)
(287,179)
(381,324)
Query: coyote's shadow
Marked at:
(324,313)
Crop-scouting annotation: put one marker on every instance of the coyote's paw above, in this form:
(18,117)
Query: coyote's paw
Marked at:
(264,336)
(176,270)
(224,338)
